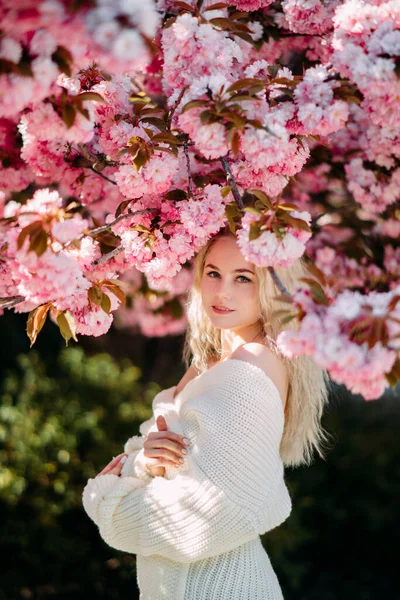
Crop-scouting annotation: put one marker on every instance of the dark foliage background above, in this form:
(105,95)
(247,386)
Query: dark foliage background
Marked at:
(64,412)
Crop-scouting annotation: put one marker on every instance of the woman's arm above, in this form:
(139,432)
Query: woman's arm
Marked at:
(233,492)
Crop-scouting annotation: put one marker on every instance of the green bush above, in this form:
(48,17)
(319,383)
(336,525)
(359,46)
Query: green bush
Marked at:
(57,430)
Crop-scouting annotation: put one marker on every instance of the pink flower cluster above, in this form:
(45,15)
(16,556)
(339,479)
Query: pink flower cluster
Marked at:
(62,273)
(317,109)
(269,251)
(374,191)
(156,314)
(324,334)
(309,16)
(191,50)
(182,228)
(366,46)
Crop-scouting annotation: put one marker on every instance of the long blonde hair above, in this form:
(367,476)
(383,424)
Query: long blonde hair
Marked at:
(308,383)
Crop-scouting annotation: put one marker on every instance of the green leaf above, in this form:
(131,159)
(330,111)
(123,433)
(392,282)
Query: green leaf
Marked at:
(288,206)
(255,230)
(122,207)
(253,210)
(68,115)
(142,157)
(394,376)
(194,104)
(296,223)
(208,116)
(95,295)
(140,228)
(165,137)
(261,196)
(175,195)
(63,59)
(225,190)
(244,83)
(86,96)
(318,274)
(39,242)
(67,324)
(105,303)
(233,214)
(159,123)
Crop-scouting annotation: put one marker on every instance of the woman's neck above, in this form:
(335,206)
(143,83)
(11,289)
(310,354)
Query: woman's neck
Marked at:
(231,340)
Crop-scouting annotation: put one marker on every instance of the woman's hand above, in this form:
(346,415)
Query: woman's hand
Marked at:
(115,466)
(165,446)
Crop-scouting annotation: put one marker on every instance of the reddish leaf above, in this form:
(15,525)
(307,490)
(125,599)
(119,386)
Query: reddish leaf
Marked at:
(36,320)
(217,6)
(235,144)
(184,6)
(27,232)
(294,222)
(114,289)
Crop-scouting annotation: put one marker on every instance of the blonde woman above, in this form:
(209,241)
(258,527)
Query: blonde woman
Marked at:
(193,493)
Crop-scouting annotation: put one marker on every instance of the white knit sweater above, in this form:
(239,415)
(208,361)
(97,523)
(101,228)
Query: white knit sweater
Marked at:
(196,531)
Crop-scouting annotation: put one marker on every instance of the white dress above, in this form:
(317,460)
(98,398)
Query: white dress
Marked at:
(196,531)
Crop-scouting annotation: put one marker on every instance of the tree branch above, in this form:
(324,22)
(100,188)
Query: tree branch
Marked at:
(232,182)
(11,301)
(190,181)
(94,232)
(107,256)
(279,283)
(175,106)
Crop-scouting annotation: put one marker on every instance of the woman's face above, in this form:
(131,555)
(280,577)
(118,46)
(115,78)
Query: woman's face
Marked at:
(229,287)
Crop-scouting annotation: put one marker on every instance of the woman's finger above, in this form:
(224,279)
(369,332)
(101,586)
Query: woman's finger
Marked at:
(112,464)
(175,437)
(165,456)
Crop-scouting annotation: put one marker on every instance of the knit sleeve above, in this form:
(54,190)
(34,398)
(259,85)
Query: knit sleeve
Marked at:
(234,489)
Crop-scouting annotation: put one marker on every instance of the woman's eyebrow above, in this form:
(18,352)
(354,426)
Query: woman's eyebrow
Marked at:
(235,271)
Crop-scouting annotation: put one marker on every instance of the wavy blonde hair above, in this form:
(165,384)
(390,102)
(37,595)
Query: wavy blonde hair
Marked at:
(308,383)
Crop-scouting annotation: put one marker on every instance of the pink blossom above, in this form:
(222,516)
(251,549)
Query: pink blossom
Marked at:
(267,250)
(154,177)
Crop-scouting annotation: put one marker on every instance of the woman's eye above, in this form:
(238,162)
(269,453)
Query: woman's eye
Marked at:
(212,273)
(243,279)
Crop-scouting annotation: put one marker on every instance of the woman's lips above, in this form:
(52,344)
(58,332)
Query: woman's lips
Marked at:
(221,311)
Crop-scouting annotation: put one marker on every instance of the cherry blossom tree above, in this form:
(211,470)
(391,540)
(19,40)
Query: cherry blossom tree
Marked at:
(133,131)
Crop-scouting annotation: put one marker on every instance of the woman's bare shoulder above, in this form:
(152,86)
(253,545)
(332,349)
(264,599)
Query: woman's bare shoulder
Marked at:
(191,373)
(263,357)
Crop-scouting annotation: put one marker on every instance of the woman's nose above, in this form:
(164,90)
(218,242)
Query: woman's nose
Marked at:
(223,291)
